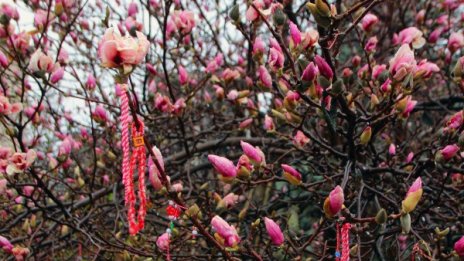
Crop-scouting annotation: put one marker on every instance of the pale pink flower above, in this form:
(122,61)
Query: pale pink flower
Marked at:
(9,11)
(246,123)
(309,38)
(425,69)
(455,42)
(258,46)
(276,58)
(268,123)
(162,242)
(40,62)
(300,140)
(57,75)
(410,35)
(392,149)
(403,63)
(264,77)
(91,83)
(99,114)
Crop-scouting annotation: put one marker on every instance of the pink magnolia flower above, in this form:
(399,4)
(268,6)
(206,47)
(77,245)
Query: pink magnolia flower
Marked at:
(131,24)
(274,231)
(183,75)
(254,153)
(40,18)
(91,83)
(162,242)
(449,151)
(413,196)
(228,201)
(403,63)
(99,114)
(300,140)
(410,35)
(115,50)
(409,157)
(162,103)
(268,123)
(392,149)
(229,75)
(435,35)
(65,147)
(6,245)
(309,73)
(3,60)
(258,47)
(57,75)
(244,167)
(324,67)
(276,58)
(183,20)
(459,247)
(133,9)
(455,42)
(9,11)
(154,174)
(246,123)
(456,121)
(425,69)
(377,70)
(334,202)
(369,21)
(19,161)
(264,77)
(291,174)
(40,62)
(224,166)
(295,34)
(371,44)
(251,13)
(226,232)
(309,38)
(178,106)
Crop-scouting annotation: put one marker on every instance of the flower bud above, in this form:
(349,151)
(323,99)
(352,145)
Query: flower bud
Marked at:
(274,232)
(366,135)
(291,175)
(279,17)
(234,14)
(413,196)
(334,202)
(459,247)
(405,223)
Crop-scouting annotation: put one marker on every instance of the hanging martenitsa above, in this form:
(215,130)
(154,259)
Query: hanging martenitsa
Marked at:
(123,53)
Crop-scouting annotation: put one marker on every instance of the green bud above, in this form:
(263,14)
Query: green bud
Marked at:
(381,216)
(279,17)
(234,14)
(406,223)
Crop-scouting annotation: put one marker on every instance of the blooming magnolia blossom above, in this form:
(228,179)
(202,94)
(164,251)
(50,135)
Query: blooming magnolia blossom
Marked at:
(403,63)
(369,21)
(115,50)
(410,35)
(455,42)
(459,247)
(40,62)
(274,231)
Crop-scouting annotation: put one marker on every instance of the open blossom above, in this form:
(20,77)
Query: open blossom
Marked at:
(413,196)
(224,166)
(7,108)
(40,18)
(226,233)
(455,42)
(369,21)
(244,167)
(459,247)
(334,202)
(274,231)
(254,153)
(410,35)
(19,161)
(154,175)
(162,242)
(300,140)
(9,11)
(40,62)
(115,50)
(291,174)
(183,20)
(425,69)
(403,63)
(228,201)
(309,38)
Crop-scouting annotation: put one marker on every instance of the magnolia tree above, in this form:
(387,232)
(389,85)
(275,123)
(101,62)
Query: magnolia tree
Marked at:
(231,130)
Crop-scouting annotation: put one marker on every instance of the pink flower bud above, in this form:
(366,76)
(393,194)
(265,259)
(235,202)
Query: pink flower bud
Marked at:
(258,47)
(224,166)
(57,75)
(6,245)
(459,247)
(3,60)
(225,231)
(151,69)
(334,202)
(274,231)
(40,62)
(91,82)
(300,140)
(132,10)
(276,58)
(392,149)
(409,157)
(295,34)
(455,42)
(183,75)
(291,174)
(309,73)
(413,196)
(228,201)
(99,114)
(369,21)
(449,151)
(246,123)
(403,63)
(244,167)
(324,67)
(264,77)
(268,123)
(371,44)
(254,153)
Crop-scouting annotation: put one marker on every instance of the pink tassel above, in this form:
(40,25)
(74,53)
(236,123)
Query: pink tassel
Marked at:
(344,236)
(129,163)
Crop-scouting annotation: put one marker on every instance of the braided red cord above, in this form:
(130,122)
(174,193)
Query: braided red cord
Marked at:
(337,249)
(346,242)
(129,163)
